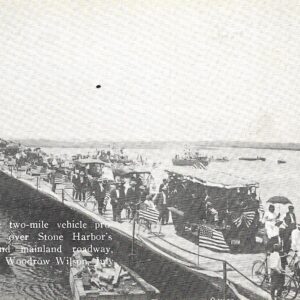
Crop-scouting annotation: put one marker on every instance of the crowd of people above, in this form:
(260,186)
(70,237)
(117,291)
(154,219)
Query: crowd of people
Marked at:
(280,230)
(283,236)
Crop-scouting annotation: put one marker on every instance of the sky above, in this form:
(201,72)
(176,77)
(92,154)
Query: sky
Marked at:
(168,70)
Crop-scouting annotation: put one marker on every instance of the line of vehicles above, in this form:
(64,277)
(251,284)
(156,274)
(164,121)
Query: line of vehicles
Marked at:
(196,197)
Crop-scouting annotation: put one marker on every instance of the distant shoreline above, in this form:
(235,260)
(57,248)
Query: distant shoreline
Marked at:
(157,144)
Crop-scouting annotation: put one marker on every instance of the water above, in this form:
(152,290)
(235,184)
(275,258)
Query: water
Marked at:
(18,203)
(274,179)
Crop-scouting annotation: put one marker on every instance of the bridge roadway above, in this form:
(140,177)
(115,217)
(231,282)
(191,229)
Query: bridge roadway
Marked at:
(169,244)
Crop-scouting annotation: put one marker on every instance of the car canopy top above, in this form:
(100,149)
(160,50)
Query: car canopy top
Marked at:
(87,161)
(212,178)
(128,171)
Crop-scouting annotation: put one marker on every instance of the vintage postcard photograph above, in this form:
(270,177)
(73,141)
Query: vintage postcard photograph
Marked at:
(149,150)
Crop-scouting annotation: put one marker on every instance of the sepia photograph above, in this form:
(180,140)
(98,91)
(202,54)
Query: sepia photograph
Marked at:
(149,150)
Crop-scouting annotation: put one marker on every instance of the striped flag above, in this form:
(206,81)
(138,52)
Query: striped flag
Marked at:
(247,217)
(149,214)
(212,239)
(199,165)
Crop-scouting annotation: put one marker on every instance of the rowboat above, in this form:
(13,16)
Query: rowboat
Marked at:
(253,158)
(221,159)
(280,161)
(93,279)
(190,161)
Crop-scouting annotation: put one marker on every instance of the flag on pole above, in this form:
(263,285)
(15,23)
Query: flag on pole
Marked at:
(199,165)
(212,239)
(149,214)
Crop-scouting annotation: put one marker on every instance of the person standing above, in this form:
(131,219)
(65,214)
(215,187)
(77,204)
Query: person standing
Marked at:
(120,191)
(99,192)
(160,201)
(132,198)
(75,181)
(271,226)
(163,185)
(277,275)
(290,221)
(295,237)
(82,184)
(114,201)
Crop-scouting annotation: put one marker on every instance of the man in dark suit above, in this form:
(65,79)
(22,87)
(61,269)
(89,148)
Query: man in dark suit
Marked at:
(114,201)
(290,221)
(160,200)
(120,192)
(163,185)
(132,197)
(99,192)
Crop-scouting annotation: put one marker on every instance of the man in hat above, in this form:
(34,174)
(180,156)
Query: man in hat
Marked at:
(143,193)
(82,184)
(132,197)
(120,192)
(290,221)
(114,201)
(290,218)
(163,185)
(212,215)
(161,201)
(99,192)
(75,181)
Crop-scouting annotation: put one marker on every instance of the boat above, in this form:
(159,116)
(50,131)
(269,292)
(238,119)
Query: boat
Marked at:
(183,162)
(281,161)
(221,159)
(215,202)
(94,279)
(253,158)
(5,250)
(178,161)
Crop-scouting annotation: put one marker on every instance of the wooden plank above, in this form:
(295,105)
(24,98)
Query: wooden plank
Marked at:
(117,275)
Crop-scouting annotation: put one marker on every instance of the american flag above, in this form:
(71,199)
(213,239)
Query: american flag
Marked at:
(212,239)
(199,165)
(247,217)
(149,214)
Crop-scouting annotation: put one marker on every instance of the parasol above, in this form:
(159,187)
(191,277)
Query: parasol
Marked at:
(279,200)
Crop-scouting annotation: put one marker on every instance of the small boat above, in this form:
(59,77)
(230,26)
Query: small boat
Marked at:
(253,158)
(190,161)
(221,159)
(5,250)
(183,162)
(281,161)
(94,279)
